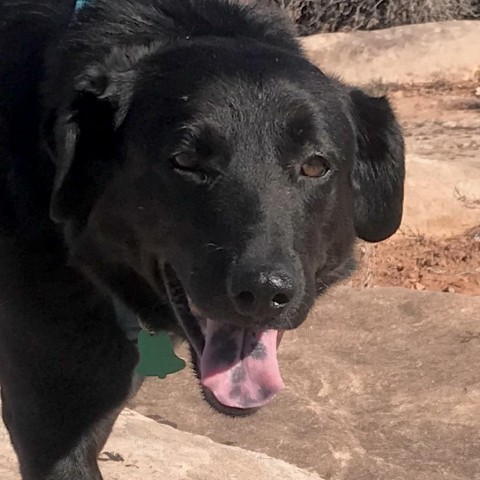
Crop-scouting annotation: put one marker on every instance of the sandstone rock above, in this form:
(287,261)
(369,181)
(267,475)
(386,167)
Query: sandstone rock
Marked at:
(142,449)
(8,462)
(441,197)
(445,51)
(382,384)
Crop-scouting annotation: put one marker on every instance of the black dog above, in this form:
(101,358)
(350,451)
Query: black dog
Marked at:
(180,161)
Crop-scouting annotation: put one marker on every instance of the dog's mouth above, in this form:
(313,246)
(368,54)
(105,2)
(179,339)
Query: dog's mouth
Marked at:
(237,367)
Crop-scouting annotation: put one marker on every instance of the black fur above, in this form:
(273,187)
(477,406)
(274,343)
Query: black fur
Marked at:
(139,137)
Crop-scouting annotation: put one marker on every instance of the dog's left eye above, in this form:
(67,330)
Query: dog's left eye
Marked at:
(184,161)
(315,167)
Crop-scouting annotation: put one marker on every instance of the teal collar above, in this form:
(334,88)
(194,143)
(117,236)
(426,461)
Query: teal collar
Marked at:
(79,4)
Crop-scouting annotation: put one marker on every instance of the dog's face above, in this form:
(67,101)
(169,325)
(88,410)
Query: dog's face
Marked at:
(232,181)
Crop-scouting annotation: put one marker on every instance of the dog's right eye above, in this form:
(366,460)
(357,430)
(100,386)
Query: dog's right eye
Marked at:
(187,165)
(184,161)
(315,167)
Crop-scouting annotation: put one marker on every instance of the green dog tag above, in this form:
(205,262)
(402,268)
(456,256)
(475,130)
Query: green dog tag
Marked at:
(157,358)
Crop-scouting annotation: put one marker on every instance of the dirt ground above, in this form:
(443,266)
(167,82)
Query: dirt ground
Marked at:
(442,121)
(450,265)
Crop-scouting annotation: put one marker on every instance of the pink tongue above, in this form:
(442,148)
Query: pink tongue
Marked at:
(240,366)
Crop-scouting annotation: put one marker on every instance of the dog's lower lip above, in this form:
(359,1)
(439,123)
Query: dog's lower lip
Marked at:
(231,411)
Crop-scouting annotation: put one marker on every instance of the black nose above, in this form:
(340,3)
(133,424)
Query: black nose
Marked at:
(261,292)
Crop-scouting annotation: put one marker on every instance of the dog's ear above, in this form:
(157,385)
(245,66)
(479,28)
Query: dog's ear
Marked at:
(379,169)
(85,140)
(85,131)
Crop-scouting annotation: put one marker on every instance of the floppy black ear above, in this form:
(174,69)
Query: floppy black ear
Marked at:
(379,169)
(85,136)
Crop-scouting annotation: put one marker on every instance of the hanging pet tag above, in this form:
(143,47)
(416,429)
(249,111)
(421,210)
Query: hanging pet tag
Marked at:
(157,358)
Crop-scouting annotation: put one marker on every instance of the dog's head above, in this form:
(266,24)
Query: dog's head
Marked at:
(231,178)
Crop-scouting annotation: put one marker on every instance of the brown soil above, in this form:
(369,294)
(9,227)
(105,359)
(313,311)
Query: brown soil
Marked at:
(417,262)
(440,120)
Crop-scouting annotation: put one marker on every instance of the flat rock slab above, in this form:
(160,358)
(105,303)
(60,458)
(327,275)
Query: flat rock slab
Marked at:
(441,197)
(447,51)
(382,384)
(142,449)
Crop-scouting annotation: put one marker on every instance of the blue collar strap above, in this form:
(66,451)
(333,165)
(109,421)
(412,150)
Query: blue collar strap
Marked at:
(79,4)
